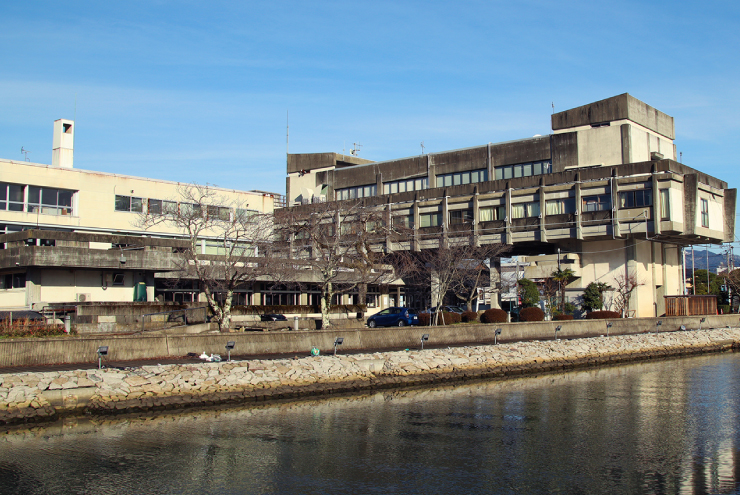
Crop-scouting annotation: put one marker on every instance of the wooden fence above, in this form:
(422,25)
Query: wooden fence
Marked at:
(690,305)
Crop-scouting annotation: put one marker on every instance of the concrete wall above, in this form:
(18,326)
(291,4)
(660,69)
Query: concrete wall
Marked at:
(30,352)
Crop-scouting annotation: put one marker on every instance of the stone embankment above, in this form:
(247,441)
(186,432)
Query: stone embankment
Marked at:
(28,397)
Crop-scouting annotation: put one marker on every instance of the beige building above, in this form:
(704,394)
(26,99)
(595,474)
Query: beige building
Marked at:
(604,190)
(93,247)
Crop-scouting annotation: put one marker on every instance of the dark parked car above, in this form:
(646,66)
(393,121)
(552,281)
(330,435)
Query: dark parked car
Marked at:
(393,317)
(273,317)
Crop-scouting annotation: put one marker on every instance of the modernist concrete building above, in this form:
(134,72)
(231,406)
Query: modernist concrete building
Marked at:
(74,235)
(603,193)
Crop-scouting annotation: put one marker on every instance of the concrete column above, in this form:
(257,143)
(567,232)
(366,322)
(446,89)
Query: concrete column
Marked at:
(388,218)
(507,235)
(33,286)
(445,221)
(476,217)
(431,173)
(489,164)
(690,202)
(579,208)
(149,280)
(626,134)
(398,296)
(655,215)
(495,282)
(543,227)
(379,184)
(415,212)
(615,201)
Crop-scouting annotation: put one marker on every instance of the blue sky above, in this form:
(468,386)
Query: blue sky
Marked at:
(198,91)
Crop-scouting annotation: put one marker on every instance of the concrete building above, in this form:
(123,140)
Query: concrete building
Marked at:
(73,235)
(603,193)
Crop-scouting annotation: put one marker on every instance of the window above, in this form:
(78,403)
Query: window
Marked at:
(636,199)
(492,213)
(459,217)
(13,281)
(665,205)
(219,212)
(560,206)
(601,202)
(129,203)
(403,221)
(523,170)
(118,278)
(525,210)
(430,220)
(11,197)
(705,213)
(459,178)
(356,192)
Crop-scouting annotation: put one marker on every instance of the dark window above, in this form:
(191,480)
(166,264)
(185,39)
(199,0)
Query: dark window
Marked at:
(636,199)
(601,202)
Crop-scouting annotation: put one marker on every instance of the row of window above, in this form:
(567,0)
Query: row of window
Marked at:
(602,202)
(357,192)
(523,170)
(35,199)
(159,206)
(400,186)
(460,178)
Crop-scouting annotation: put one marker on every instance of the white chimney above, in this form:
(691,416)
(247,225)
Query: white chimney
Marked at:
(62,154)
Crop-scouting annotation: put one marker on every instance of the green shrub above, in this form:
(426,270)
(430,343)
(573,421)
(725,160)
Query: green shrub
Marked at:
(494,315)
(725,308)
(562,317)
(469,316)
(530,293)
(531,314)
(602,315)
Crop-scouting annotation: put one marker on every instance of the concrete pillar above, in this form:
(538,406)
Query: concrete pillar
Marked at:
(415,212)
(615,201)
(476,217)
(149,280)
(655,215)
(507,236)
(495,282)
(33,286)
(445,221)
(543,227)
(579,208)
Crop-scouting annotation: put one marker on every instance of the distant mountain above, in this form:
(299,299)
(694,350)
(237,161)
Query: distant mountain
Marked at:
(715,260)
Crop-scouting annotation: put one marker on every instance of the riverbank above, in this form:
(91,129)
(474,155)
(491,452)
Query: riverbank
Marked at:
(27,397)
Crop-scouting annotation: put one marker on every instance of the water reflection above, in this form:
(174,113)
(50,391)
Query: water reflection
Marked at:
(663,427)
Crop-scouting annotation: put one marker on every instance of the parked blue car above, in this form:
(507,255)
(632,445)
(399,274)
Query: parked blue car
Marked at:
(393,317)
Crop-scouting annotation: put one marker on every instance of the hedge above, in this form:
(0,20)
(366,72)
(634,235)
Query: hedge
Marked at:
(561,317)
(444,318)
(494,316)
(531,314)
(602,315)
(469,316)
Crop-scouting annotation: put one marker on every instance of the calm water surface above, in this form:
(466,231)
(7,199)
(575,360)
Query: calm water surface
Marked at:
(662,427)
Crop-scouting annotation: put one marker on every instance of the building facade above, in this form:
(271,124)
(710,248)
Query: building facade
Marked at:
(603,193)
(75,235)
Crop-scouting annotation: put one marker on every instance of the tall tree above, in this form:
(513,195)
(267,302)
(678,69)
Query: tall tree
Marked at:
(228,244)
(562,276)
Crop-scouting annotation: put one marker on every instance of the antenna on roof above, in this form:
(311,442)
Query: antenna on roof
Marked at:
(422,147)
(25,152)
(553,107)
(355,149)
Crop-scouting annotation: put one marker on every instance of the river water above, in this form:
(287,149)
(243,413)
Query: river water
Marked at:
(659,427)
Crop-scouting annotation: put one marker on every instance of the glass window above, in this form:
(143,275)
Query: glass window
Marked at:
(430,219)
(485,214)
(448,180)
(518,211)
(137,204)
(704,213)
(155,206)
(15,197)
(394,187)
(527,169)
(386,188)
(533,209)
(665,206)
(123,203)
(508,172)
(499,173)
(517,171)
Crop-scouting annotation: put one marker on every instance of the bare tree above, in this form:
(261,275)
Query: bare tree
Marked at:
(458,269)
(341,243)
(473,270)
(227,246)
(624,286)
